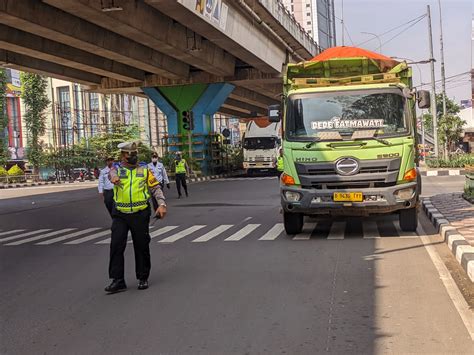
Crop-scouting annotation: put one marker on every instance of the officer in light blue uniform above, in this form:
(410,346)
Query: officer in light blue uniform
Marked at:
(159,171)
(106,188)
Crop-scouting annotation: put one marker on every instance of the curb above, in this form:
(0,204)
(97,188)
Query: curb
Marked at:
(199,179)
(447,172)
(461,249)
(42,183)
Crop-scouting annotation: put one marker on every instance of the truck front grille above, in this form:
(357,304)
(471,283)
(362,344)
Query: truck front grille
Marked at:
(372,173)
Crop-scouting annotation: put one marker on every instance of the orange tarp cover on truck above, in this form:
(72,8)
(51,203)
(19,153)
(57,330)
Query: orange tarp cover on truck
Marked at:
(354,52)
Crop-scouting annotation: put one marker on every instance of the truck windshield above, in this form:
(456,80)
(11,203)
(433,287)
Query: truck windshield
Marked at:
(260,142)
(382,111)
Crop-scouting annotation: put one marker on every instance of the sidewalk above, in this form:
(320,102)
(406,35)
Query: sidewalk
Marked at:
(453,216)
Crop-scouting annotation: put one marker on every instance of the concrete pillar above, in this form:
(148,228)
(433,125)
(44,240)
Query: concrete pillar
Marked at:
(203,100)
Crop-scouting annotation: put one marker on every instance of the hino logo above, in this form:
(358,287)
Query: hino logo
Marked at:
(347,166)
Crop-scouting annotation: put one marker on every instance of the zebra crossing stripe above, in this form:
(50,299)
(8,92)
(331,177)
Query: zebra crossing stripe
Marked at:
(213,233)
(158,232)
(273,233)
(42,236)
(182,234)
(24,235)
(11,232)
(370,230)
(308,230)
(67,236)
(337,231)
(249,228)
(88,238)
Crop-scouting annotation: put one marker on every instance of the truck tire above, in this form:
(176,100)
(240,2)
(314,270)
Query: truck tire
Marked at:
(293,222)
(409,219)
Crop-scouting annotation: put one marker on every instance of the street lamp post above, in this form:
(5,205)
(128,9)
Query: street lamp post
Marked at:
(378,37)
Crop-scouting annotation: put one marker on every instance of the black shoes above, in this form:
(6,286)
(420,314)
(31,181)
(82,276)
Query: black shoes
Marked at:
(142,284)
(117,285)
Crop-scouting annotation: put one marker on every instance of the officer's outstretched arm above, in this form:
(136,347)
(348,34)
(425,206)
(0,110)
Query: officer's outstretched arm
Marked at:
(155,190)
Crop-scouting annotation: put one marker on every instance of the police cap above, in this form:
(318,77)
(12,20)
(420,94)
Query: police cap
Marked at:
(128,147)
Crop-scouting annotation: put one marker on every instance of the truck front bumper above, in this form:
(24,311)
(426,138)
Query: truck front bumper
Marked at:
(259,165)
(375,201)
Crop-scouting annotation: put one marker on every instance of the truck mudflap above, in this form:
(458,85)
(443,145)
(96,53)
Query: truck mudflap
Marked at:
(374,200)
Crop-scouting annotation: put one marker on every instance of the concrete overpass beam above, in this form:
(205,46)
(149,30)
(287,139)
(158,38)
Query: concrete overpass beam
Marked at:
(236,104)
(142,23)
(46,21)
(37,47)
(35,65)
(232,31)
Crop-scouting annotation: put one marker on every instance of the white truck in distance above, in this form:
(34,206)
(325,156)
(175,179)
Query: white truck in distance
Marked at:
(261,146)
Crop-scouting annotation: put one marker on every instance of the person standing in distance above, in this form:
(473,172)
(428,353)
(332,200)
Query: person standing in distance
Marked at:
(159,170)
(280,162)
(106,188)
(181,169)
(133,185)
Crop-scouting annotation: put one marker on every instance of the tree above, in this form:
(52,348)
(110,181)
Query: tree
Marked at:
(105,145)
(36,101)
(450,127)
(3,119)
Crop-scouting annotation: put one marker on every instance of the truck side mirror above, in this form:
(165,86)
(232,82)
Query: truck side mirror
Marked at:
(274,114)
(423,98)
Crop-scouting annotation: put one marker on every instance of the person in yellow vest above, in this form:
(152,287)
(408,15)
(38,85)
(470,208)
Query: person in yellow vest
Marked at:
(181,169)
(280,162)
(133,185)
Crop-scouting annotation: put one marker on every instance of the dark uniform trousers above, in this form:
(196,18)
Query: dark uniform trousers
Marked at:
(181,180)
(137,223)
(109,200)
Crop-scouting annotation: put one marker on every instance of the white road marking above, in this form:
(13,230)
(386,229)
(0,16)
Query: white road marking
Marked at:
(459,302)
(337,230)
(273,233)
(88,238)
(67,236)
(402,234)
(12,231)
(307,231)
(173,238)
(242,233)
(42,236)
(158,232)
(370,230)
(213,233)
(26,234)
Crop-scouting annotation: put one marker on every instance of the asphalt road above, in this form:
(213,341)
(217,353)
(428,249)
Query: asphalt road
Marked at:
(348,286)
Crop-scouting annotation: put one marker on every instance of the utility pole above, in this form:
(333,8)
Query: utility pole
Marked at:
(443,74)
(342,22)
(433,85)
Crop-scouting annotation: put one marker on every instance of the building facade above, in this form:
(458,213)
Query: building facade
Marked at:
(317,17)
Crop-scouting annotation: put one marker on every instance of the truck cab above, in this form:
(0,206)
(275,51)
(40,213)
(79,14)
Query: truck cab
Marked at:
(349,141)
(261,144)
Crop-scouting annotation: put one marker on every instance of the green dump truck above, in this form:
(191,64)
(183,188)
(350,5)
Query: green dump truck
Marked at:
(349,140)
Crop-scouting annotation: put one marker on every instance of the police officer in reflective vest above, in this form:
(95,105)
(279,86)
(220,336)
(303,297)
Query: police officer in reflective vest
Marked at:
(132,187)
(181,168)
(280,163)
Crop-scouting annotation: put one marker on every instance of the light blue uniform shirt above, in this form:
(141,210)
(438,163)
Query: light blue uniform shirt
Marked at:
(159,172)
(104,181)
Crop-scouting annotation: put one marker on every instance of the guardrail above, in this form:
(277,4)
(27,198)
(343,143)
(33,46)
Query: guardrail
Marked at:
(8,179)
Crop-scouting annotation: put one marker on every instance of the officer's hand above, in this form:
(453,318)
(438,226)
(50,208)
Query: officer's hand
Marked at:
(161,211)
(115,180)
(101,194)
(168,186)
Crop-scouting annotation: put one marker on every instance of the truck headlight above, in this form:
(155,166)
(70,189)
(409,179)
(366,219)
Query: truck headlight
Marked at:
(292,196)
(405,194)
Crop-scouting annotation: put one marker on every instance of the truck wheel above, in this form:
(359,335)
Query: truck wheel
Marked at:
(408,219)
(293,222)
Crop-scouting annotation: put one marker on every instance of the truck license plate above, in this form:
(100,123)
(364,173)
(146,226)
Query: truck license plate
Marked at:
(348,196)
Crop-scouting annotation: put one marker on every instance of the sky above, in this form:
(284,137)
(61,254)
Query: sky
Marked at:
(379,16)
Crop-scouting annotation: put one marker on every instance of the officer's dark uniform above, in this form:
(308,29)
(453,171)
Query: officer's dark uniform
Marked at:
(131,213)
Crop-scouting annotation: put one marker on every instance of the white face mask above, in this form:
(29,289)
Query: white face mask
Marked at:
(154,160)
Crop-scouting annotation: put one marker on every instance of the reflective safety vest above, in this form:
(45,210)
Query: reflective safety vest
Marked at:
(180,166)
(131,195)
(280,164)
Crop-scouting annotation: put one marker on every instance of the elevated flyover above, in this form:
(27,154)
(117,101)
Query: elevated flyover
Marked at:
(206,56)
